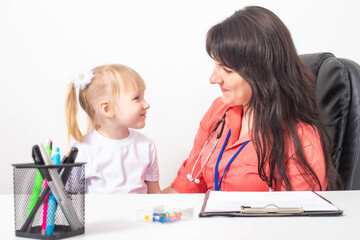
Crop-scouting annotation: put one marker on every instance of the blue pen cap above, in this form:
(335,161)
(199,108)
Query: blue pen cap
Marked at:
(56,156)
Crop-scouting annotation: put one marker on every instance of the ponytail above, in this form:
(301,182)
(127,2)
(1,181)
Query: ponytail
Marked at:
(71,110)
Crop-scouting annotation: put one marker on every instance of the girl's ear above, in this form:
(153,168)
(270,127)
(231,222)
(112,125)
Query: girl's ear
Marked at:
(106,109)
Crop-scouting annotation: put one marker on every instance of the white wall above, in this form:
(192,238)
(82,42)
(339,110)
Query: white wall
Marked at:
(44,43)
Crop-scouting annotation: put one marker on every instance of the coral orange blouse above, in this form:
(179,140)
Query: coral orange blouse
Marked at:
(242,174)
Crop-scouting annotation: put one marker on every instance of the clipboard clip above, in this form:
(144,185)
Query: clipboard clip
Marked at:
(271,209)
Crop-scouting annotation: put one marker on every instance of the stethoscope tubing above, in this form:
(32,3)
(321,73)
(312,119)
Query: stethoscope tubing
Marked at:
(195,179)
(221,121)
(203,166)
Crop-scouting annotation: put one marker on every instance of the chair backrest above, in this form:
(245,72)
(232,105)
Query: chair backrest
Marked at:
(338,101)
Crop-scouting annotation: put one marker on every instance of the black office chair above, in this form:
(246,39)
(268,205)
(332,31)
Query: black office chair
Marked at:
(338,101)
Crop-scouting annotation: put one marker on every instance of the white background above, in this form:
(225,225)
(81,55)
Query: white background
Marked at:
(45,43)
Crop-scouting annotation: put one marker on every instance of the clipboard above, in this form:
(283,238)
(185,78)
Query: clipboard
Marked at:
(266,204)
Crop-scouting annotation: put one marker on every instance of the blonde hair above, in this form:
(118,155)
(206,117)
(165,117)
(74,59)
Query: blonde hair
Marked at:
(104,84)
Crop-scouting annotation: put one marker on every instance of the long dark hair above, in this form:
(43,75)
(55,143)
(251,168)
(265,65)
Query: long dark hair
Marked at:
(256,43)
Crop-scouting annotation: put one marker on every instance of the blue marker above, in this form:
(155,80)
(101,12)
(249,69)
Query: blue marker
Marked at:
(56,157)
(50,223)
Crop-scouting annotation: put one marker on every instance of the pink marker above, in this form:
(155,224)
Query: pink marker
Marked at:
(48,148)
(45,208)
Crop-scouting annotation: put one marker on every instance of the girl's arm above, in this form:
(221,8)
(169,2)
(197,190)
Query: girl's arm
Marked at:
(169,189)
(153,187)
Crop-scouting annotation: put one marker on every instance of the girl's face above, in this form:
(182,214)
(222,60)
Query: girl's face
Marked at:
(235,90)
(130,110)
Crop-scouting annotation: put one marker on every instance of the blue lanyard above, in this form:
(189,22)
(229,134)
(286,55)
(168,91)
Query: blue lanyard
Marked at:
(218,183)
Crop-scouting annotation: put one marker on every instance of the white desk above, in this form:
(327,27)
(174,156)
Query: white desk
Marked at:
(114,217)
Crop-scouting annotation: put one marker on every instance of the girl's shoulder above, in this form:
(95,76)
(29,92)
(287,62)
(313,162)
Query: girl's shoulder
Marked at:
(140,137)
(89,138)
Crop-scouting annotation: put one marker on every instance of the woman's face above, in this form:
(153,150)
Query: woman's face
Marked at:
(235,90)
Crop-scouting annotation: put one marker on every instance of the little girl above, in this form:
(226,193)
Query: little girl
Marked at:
(118,159)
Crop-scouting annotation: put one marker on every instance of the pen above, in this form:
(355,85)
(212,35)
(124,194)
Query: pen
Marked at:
(57,188)
(71,157)
(52,201)
(68,160)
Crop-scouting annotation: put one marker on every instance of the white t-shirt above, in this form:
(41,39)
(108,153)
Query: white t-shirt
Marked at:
(118,166)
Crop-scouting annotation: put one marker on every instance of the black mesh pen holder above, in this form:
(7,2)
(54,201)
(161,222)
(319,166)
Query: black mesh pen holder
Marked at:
(49,201)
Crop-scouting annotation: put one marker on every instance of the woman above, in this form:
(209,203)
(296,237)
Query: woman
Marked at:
(272,138)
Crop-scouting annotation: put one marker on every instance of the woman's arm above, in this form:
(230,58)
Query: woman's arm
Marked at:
(313,151)
(181,183)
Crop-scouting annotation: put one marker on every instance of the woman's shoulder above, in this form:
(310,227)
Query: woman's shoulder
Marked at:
(306,130)
(217,108)
(218,104)
(308,135)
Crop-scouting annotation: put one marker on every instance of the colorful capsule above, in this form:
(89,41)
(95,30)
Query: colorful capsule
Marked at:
(167,217)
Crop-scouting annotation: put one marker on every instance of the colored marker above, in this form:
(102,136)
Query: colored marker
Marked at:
(26,227)
(45,210)
(56,157)
(48,147)
(50,223)
(35,193)
(57,187)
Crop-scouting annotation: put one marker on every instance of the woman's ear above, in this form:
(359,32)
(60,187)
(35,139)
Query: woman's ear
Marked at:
(106,109)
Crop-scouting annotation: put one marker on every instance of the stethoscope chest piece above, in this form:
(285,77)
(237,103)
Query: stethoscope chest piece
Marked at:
(191,179)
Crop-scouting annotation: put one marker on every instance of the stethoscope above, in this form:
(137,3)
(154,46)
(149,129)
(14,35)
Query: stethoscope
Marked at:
(217,182)
(222,122)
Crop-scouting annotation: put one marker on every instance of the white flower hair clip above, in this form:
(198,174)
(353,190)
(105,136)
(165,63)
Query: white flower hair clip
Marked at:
(83,80)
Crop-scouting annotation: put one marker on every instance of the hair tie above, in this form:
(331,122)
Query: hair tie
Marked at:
(83,80)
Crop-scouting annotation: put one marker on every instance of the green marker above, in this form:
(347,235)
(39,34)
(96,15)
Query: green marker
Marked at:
(37,187)
(48,146)
(36,191)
